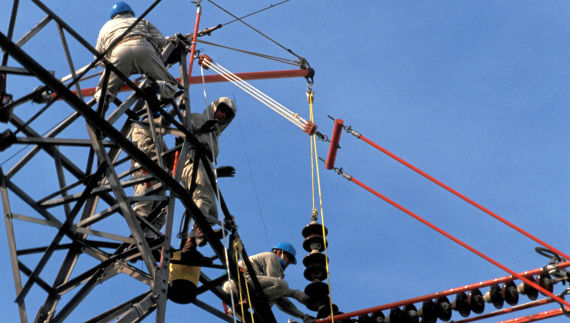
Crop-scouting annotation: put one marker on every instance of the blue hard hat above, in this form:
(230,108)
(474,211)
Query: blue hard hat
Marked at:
(288,248)
(120,7)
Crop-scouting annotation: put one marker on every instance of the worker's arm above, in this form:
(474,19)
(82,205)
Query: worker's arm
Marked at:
(156,37)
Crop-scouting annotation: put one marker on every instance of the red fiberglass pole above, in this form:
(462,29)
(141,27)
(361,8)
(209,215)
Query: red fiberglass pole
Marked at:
(465,198)
(448,292)
(507,310)
(449,236)
(329,164)
(461,243)
(194,37)
(536,317)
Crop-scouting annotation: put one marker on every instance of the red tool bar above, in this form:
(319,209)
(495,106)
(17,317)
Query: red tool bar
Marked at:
(452,291)
(219,78)
(465,198)
(507,310)
(333,148)
(194,37)
(537,316)
(461,243)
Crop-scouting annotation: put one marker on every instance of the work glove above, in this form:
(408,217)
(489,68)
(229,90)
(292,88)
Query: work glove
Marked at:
(208,126)
(301,297)
(308,318)
(226,171)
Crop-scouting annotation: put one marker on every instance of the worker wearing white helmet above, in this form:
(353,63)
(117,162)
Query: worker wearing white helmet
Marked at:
(269,269)
(207,127)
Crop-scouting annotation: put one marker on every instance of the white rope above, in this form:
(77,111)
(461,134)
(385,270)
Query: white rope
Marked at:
(215,162)
(260,96)
(269,102)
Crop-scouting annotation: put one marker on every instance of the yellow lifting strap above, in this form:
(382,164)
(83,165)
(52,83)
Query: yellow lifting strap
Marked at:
(238,250)
(315,171)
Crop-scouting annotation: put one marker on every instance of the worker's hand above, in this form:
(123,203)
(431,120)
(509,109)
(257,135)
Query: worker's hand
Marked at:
(301,297)
(308,318)
(226,171)
(208,126)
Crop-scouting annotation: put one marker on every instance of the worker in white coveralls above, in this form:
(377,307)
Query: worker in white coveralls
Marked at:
(207,127)
(269,269)
(137,53)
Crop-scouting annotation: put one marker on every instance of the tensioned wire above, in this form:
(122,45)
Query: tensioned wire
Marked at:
(214,161)
(315,164)
(260,96)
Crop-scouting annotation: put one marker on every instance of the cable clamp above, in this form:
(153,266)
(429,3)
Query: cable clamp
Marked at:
(322,137)
(352,132)
(310,93)
(314,215)
(238,246)
(340,171)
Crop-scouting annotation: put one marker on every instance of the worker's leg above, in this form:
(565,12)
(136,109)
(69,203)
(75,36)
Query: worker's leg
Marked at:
(149,62)
(143,139)
(203,195)
(123,59)
(273,288)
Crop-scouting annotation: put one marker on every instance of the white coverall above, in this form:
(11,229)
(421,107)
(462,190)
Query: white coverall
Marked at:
(204,196)
(268,270)
(144,141)
(137,56)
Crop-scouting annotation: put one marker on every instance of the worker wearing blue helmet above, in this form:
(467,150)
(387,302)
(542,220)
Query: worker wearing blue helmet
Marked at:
(269,269)
(138,52)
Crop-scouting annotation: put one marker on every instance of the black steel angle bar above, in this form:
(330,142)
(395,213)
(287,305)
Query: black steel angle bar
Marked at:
(62,231)
(30,132)
(43,284)
(71,167)
(59,142)
(11,27)
(76,299)
(12,244)
(36,29)
(128,148)
(214,311)
(208,284)
(117,310)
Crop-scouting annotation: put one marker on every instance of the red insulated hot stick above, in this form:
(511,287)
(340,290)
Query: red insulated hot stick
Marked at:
(536,317)
(507,310)
(264,75)
(175,162)
(331,157)
(194,38)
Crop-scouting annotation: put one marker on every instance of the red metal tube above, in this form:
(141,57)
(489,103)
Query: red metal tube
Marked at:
(461,243)
(194,37)
(507,310)
(465,198)
(333,148)
(453,291)
(218,78)
(537,316)
(175,162)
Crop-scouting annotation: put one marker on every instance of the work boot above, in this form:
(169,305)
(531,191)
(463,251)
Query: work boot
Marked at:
(190,256)
(202,241)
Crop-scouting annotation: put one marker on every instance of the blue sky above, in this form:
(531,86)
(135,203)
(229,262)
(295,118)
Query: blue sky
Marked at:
(475,93)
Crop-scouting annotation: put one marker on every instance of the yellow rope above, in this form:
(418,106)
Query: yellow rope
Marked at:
(249,300)
(238,248)
(310,98)
(239,282)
